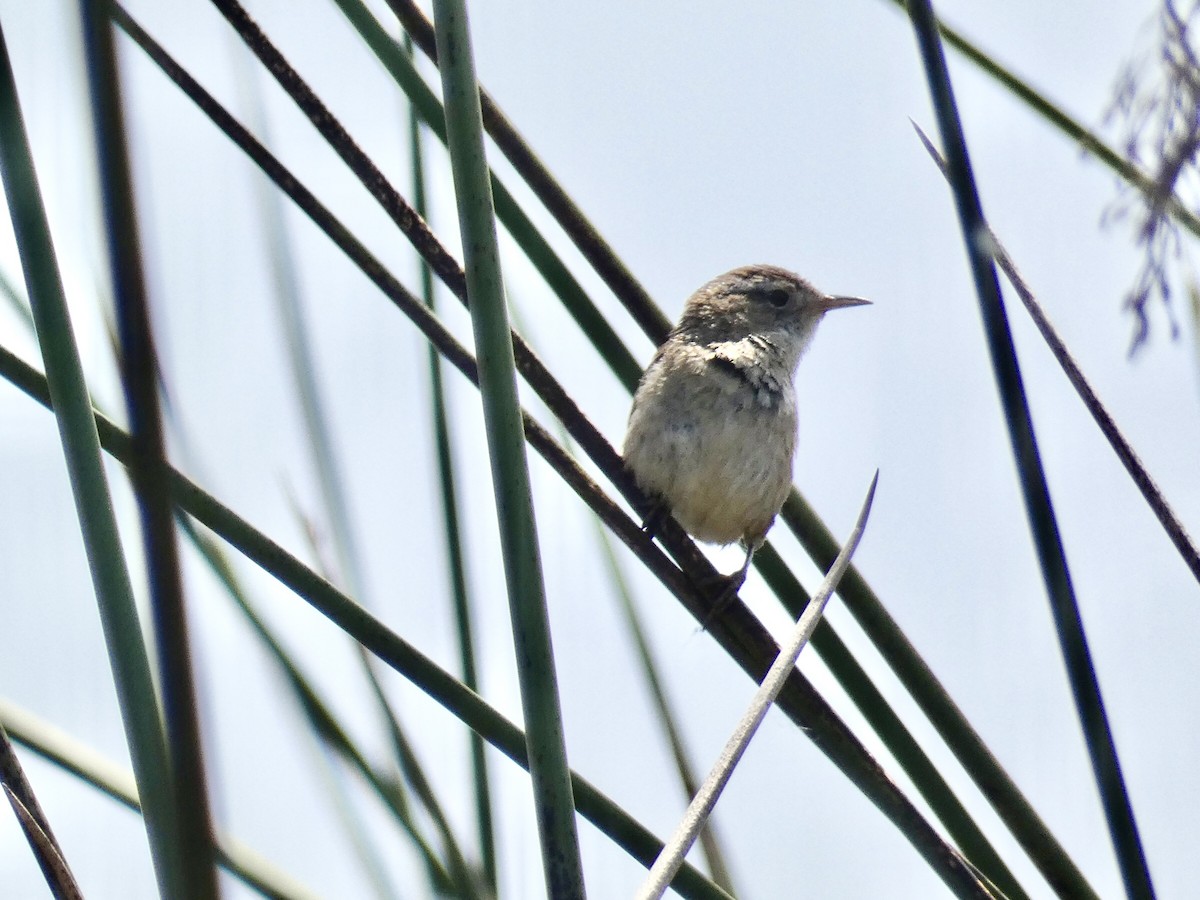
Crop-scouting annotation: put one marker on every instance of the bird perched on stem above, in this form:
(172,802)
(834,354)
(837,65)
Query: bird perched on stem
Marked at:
(712,432)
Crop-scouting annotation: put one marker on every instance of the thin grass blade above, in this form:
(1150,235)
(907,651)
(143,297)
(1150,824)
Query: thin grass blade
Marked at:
(701,807)
(455,562)
(149,469)
(555,806)
(1084,684)
(114,594)
(289,304)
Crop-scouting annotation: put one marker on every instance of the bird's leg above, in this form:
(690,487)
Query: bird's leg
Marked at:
(739,578)
(727,586)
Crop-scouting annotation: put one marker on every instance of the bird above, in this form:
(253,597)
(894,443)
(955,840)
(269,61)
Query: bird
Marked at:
(712,431)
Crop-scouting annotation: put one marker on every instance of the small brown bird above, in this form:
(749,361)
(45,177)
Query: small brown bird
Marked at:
(712,432)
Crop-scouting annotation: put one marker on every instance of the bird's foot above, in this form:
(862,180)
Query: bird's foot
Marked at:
(655,516)
(722,590)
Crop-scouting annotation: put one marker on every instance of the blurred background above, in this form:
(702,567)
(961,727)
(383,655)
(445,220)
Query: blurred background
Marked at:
(698,137)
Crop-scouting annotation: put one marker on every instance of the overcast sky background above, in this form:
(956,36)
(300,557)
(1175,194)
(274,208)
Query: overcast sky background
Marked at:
(698,137)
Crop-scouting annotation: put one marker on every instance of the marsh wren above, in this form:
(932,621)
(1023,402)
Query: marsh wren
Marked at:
(712,431)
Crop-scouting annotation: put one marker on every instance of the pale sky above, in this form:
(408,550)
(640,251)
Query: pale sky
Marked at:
(698,137)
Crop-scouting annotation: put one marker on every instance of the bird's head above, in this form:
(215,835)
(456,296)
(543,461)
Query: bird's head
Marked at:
(758,300)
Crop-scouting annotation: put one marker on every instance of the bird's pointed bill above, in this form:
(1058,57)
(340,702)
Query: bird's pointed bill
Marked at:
(843,302)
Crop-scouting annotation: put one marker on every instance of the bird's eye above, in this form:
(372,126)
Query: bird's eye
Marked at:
(778,298)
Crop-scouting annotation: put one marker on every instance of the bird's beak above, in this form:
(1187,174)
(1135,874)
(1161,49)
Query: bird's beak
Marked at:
(842,302)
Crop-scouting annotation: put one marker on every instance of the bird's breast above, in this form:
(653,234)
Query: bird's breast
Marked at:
(717,448)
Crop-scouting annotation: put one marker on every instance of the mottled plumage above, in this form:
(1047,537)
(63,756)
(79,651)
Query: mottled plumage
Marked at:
(712,432)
